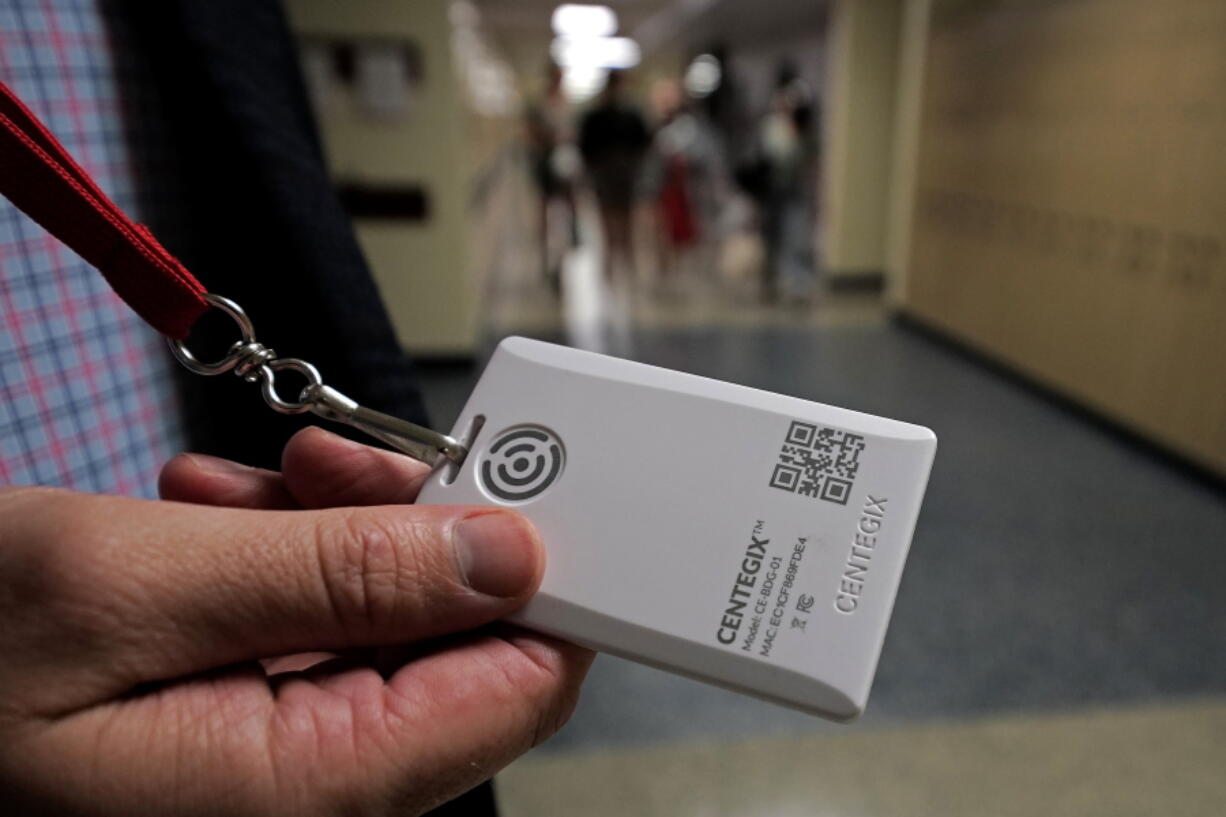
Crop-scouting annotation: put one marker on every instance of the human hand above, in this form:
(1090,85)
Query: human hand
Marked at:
(238,654)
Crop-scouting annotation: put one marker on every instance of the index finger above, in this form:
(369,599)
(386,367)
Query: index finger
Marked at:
(325,470)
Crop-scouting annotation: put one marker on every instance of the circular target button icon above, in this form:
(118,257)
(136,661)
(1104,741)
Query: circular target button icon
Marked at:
(521,462)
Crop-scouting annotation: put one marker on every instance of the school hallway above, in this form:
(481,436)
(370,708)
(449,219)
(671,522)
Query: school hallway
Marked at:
(1061,607)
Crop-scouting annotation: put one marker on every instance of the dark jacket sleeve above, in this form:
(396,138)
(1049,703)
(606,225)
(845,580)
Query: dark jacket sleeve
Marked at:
(259,221)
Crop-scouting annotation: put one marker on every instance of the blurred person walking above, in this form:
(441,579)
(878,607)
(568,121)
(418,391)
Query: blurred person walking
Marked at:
(613,140)
(725,109)
(783,178)
(554,162)
(686,175)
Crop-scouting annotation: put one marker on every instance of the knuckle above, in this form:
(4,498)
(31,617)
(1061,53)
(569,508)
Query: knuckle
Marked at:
(370,566)
(543,687)
(554,706)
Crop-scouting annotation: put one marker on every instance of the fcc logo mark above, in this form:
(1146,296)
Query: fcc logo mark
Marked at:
(521,463)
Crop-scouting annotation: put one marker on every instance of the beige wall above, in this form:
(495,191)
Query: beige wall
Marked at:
(422,268)
(1070,204)
(859,138)
(912,51)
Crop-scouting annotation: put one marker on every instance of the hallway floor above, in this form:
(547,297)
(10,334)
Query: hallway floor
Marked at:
(1059,641)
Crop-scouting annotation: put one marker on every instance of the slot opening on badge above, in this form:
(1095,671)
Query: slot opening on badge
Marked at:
(452,469)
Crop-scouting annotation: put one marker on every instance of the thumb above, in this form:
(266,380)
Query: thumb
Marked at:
(173,589)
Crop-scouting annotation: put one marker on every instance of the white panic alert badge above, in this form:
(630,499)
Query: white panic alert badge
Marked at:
(747,539)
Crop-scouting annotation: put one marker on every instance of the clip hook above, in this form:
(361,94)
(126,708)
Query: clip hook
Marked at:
(255,362)
(418,442)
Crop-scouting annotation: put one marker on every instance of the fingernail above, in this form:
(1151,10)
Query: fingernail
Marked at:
(216,465)
(497,553)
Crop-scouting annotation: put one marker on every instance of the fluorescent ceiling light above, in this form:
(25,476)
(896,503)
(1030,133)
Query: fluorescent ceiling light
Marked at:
(573,20)
(595,52)
(581,84)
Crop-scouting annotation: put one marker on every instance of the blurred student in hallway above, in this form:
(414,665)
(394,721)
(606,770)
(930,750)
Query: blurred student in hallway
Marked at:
(613,139)
(782,177)
(554,164)
(687,177)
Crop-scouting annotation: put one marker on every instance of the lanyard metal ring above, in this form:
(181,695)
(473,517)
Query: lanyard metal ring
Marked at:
(233,357)
(256,363)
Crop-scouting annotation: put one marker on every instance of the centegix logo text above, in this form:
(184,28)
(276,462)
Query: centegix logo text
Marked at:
(742,586)
(855,571)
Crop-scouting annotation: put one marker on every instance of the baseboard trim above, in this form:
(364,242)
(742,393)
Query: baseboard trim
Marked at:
(867,281)
(1197,471)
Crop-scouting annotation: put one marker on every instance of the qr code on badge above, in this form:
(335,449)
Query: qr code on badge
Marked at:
(818,462)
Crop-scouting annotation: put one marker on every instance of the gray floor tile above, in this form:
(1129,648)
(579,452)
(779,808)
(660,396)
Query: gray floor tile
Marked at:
(1054,564)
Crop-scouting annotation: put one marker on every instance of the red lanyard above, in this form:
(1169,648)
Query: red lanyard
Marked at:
(38,175)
